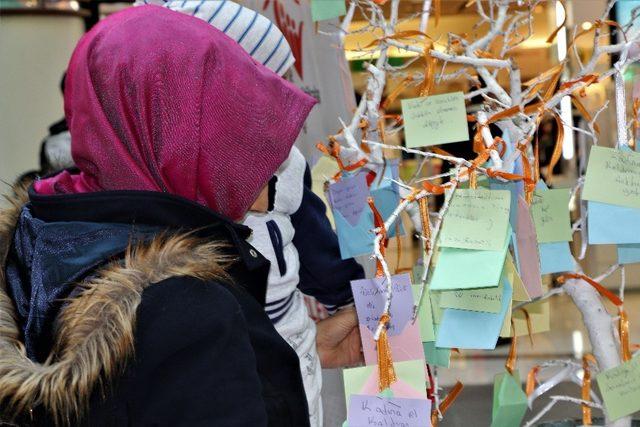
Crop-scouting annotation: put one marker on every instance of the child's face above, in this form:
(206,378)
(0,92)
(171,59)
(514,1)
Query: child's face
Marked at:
(261,204)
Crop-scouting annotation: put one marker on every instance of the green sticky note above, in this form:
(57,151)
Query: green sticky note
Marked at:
(509,401)
(620,388)
(613,177)
(468,269)
(411,382)
(488,300)
(550,211)
(425,318)
(436,355)
(322,10)
(477,219)
(433,120)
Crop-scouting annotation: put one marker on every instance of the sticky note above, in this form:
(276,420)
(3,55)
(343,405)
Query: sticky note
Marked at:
(509,401)
(425,318)
(468,269)
(466,329)
(611,224)
(620,388)
(555,257)
(613,177)
(388,411)
(352,215)
(364,380)
(528,257)
(404,336)
(513,277)
(550,211)
(476,219)
(433,120)
(436,355)
(628,254)
(488,299)
(327,9)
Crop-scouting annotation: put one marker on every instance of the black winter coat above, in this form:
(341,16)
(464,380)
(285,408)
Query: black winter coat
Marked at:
(139,309)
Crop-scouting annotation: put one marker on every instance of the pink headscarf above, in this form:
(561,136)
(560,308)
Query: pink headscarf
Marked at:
(160,101)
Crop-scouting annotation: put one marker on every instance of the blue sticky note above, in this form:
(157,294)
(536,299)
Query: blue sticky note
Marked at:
(555,257)
(628,254)
(352,215)
(478,330)
(612,224)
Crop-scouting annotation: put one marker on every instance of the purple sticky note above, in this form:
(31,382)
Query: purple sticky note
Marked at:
(349,197)
(370,297)
(365,411)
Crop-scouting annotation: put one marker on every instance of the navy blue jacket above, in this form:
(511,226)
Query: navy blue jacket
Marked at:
(204,353)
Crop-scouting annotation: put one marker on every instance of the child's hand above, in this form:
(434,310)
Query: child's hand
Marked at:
(338,340)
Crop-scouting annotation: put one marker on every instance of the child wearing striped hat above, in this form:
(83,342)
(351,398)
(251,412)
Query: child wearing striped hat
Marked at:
(294,234)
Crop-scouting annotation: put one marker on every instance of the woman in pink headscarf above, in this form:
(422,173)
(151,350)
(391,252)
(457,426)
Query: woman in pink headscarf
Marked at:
(129,295)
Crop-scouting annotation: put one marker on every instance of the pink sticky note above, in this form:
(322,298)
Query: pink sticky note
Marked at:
(528,256)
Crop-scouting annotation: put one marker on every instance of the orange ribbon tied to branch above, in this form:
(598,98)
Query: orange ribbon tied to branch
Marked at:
(334,151)
(446,403)
(386,371)
(623,322)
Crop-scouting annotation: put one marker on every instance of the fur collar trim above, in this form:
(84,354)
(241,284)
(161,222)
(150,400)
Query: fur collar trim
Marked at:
(94,332)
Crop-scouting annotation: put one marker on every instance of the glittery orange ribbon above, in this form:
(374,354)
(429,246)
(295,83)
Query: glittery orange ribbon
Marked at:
(386,371)
(586,388)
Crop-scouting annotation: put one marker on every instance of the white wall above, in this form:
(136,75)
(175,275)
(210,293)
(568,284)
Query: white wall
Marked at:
(34,52)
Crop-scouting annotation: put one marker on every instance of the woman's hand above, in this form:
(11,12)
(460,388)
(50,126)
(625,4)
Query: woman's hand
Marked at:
(338,340)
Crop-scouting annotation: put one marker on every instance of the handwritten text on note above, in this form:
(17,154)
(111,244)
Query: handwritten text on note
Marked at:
(477,219)
(620,388)
(613,176)
(433,120)
(377,411)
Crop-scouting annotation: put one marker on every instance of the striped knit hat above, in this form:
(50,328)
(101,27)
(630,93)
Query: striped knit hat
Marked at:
(254,32)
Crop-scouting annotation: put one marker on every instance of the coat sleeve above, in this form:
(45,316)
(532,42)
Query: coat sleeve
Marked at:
(323,273)
(194,361)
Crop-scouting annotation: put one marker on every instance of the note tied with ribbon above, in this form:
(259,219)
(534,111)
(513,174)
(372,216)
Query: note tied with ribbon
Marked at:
(433,120)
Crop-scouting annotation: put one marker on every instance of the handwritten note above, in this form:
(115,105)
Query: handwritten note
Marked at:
(327,9)
(349,197)
(488,300)
(370,295)
(374,411)
(550,211)
(613,176)
(620,388)
(477,219)
(433,120)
